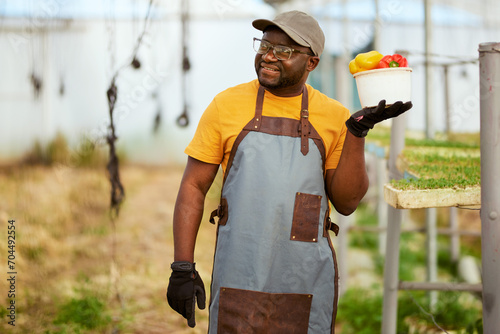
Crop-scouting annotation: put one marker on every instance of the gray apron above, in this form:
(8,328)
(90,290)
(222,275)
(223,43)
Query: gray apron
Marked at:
(274,267)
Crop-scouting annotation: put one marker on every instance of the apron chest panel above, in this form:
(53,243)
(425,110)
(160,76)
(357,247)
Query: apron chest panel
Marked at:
(271,248)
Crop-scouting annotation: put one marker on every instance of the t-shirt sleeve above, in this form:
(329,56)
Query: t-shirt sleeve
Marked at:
(333,156)
(206,144)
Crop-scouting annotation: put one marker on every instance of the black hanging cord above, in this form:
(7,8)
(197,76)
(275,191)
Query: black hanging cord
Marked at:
(135,61)
(157,119)
(117,189)
(35,79)
(183,119)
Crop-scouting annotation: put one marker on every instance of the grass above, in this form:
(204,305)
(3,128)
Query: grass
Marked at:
(86,312)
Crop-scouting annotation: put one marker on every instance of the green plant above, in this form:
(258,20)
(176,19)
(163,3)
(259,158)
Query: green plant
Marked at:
(359,311)
(66,329)
(88,154)
(441,143)
(34,253)
(3,312)
(88,312)
(409,258)
(407,184)
(36,155)
(56,150)
(382,135)
(432,169)
(362,239)
(475,328)
(452,312)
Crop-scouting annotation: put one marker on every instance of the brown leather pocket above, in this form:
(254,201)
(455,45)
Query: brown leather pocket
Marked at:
(306,217)
(246,311)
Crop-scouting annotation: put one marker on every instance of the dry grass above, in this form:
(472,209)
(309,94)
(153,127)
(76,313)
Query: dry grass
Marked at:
(65,243)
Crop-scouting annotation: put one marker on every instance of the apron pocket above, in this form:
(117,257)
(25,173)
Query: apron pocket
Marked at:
(249,312)
(306,214)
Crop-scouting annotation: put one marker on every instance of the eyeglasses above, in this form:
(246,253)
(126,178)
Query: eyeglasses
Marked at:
(281,52)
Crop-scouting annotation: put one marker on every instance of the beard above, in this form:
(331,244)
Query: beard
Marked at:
(284,80)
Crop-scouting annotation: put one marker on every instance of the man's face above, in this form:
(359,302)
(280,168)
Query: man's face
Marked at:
(282,77)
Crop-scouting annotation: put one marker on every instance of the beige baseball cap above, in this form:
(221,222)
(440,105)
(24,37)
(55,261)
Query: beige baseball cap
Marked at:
(301,27)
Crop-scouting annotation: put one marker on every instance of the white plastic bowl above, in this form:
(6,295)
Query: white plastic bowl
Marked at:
(389,84)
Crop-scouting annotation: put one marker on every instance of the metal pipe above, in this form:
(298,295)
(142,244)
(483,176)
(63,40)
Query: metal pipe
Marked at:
(447,101)
(429,121)
(391,265)
(489,71)
(430,220)
(391,272)
(454,235)
(431,244)
(441,286)
(377,27)
(381,165)
(440,231)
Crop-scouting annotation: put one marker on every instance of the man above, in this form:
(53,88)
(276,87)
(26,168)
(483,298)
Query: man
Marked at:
(286,151)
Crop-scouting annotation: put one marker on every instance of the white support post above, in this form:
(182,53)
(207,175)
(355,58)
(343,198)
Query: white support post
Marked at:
(391,265)
(489,65)
(431,243)
(447,101)
(430,220)
(391,272)
(381,204)
(454,236)
(429,89)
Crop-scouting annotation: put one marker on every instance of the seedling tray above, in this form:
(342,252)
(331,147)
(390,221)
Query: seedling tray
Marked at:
(437,176)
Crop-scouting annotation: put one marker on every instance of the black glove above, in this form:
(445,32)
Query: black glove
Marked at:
(184,288)
(361,121)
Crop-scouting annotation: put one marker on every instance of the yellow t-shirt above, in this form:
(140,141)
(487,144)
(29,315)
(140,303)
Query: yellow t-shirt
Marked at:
(233,108)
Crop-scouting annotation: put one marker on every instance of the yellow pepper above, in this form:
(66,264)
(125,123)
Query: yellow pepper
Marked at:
(365,61)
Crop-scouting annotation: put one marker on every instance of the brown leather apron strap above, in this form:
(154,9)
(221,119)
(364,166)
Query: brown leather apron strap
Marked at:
(329,225)
(221,212)
(304,129)
(304,123)
(257,120)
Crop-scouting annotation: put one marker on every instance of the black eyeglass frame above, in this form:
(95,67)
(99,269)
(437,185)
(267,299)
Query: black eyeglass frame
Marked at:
(272,46)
